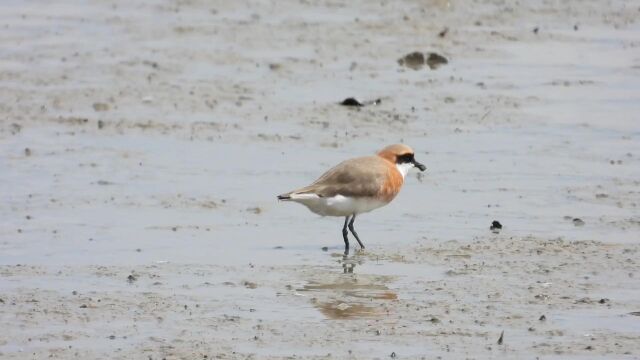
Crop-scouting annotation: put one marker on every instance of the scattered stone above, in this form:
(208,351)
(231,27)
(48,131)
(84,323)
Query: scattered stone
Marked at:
(603,301)
(578,222)
(435,60)
(74,292)
(153,64)
(131,278)
(535,30)
(278,247)
(274,67)
(575,27)
(111,337)
(542,318)
(250,285)
(495,227)
(414,60)
(83,306)
(15,128)
(100,106)
(104,182)
(325,248)
(351,102)
(501,339)
(27,152)
(100,124)
(589,348)
(393,355)
(355,103)
(444,32)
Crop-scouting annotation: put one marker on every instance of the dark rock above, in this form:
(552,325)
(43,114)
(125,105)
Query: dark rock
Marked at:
(435,60)
(351,102)
(495,226)
(414,60)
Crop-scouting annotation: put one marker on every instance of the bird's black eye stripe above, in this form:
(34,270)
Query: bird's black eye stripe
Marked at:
(405,158)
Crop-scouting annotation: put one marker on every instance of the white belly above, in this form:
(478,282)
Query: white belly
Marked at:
(338,205)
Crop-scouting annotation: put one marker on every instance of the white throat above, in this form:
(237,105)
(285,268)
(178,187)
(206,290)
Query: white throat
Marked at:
(404,168)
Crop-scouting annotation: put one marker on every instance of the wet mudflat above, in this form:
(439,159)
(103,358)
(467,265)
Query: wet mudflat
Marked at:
(142,146)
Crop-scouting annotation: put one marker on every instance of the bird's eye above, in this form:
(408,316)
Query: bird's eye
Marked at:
(405,158)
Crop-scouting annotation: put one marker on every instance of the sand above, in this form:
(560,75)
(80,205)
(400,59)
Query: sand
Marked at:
(142,146)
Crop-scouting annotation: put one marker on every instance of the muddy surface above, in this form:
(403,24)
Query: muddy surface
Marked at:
(142,146)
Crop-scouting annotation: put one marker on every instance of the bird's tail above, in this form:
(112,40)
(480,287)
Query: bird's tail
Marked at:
(297,195)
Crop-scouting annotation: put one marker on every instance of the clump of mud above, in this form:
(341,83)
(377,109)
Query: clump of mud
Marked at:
(416,60)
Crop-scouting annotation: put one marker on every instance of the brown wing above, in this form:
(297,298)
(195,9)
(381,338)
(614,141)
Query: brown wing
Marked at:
(358,177)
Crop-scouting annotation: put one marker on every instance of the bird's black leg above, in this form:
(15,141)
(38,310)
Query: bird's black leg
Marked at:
(353,231)
(345,235)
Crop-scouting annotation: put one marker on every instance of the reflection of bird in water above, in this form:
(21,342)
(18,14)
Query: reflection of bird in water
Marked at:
(349,262)
(357,186)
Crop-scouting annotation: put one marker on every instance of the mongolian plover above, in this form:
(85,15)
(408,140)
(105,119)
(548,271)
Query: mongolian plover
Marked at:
(357,186)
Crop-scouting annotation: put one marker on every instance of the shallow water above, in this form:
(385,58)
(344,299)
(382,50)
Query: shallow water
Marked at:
(214,109)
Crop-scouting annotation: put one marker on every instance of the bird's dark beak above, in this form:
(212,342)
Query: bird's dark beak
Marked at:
(419,166)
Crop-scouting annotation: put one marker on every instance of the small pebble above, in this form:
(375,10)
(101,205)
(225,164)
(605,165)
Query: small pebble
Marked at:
(495,226)
(351,102)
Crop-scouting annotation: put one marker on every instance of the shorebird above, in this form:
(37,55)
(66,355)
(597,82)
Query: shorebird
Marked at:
(357,186)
